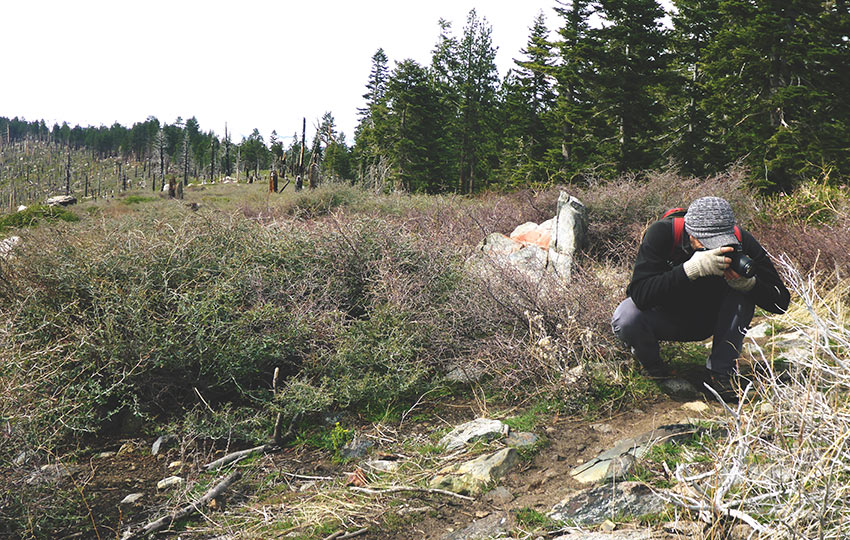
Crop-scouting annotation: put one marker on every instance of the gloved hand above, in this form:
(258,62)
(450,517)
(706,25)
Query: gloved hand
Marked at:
(742,284)
(707,263)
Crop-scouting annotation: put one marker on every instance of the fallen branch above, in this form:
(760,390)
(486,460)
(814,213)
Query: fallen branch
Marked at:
(398,489)
(241,454)
(342,535)
(185,511)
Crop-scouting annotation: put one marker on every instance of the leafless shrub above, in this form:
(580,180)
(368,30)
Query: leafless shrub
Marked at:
(783,470)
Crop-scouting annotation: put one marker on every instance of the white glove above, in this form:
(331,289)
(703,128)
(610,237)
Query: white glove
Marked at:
(742,284)
(706,263)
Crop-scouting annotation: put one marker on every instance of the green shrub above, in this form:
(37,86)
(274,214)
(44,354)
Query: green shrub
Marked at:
(36,214)
(129,324)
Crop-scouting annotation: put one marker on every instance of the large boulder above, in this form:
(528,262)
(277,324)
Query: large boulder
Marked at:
(547,249)
(593,506)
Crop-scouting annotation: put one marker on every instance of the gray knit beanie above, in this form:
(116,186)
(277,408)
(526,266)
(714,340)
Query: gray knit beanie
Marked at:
(711,221)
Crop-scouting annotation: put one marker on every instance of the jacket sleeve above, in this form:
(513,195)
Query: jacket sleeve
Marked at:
(769,292)
(654,281)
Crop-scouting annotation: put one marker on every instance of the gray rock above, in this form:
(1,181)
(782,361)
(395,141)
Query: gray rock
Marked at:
(481,529)
(61,200)
(499,496)
(521,439)
(478,429)
(171,481)
(356,448)
(678,386)
(568,234)
(472,477)
(131,498)
(161,443)
(595,505)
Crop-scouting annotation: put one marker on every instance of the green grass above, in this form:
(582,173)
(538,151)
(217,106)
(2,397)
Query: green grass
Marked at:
(137,199)
(35,215)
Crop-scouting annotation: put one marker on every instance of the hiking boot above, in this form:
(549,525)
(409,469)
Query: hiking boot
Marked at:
(727,386)
(656,371)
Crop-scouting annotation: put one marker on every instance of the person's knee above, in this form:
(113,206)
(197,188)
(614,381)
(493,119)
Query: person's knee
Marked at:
(626,322)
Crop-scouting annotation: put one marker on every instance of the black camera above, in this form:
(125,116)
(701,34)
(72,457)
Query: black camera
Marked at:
(741,263)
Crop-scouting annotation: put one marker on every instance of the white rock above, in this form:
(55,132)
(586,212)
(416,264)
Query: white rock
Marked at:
(758,331)
(131,498)
(171,481)
(480,428)
(382,465)
(21,208)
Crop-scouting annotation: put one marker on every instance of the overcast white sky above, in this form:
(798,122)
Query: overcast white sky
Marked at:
(250,63)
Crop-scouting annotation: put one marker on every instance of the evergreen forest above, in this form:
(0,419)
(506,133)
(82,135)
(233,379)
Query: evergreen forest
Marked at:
(612,87)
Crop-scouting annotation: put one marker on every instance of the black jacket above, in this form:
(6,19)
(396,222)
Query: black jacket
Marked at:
(659,279)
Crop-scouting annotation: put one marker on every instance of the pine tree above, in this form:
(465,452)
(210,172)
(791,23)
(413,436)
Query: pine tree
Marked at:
(576,85)
(691,143)
(632,71)
(527,103)
(776,72)
(415,133)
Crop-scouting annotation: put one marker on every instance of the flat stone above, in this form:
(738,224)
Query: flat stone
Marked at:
(472,477)
(54,473)
(595,505)
(696,406)
(480,529)
(478,429)
(597,468)
(104,455)
(521,439)
(175,464)
(131,498)
(171,481)
(499,496)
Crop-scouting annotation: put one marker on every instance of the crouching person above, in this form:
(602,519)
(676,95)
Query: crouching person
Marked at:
(698,276)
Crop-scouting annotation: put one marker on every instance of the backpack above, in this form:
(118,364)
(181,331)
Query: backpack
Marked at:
(679,227)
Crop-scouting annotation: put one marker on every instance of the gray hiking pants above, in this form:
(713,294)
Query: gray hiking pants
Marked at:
(642,330)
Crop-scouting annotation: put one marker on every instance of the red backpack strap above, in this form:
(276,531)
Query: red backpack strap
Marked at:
(672,211)
(737,233)
(678,229)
